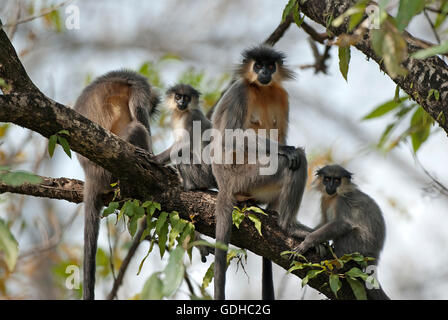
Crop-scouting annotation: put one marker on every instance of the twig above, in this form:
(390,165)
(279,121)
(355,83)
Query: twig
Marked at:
(433,28)
(438,185)
(189,284)
(316,36)
(124,266)
(320,59)
(33,17)
(433,10)
(279,31)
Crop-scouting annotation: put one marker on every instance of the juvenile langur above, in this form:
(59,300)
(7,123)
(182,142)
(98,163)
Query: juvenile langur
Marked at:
(122,102)
(350,218)
(183,101)
(256,100)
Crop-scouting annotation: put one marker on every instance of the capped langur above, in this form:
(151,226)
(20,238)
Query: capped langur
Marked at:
(122,102)
(183,102)
(256,101)
(350,218)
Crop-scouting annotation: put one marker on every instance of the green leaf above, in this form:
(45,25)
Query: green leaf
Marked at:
(383,109)
(162,231)
(133,225)
(151,246)
(305,281)
(385,135)
(296,267)
(256,222)
(390,45)
(208,277)
(296,15)
(110,208)
(8,245)
(356,273)
(153,288)
(287,252)
(314,273)
(397,94)
(358,289)
(344,60)
(64,143)
(237,217)
(174,272)
(52,144)
(420,128)
(187,232)
(289,7)
(256,210)
(432,51)
(335,284)
(441,17)
(406,11)
(17,178)
(64,132)
(177,226)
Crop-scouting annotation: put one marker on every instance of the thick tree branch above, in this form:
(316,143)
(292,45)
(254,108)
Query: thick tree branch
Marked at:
(11,69)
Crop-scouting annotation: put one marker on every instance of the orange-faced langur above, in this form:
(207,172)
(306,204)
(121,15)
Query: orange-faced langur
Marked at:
(256,102)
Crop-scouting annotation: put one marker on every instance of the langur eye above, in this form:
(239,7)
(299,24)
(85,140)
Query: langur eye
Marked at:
(338,180)
(177,96)
(258,65)
(271,67)
(326,179)
(187,98)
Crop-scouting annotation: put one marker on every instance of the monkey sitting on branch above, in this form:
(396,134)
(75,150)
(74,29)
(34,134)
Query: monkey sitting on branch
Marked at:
(255,107)
(350,218)
(189,125)
(122,102)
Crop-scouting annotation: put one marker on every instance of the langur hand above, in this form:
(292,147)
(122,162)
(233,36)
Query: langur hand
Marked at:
(304,246)
(292,154)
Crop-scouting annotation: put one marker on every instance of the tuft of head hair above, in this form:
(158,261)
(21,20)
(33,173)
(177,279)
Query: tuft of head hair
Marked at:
(184,89)
(334,170)
(265,53)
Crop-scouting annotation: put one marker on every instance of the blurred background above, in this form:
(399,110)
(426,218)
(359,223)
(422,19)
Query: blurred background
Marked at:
(199,42)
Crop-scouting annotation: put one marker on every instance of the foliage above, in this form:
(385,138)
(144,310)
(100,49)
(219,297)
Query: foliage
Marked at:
(18,177)
(238,216)
(238,254)
(8,245)
(388,41)
(61,140)
(419,122)
(334,270)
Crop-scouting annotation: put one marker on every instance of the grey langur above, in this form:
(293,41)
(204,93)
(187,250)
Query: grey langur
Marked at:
(256,101)
(183,102)
(350,218)
(122,102)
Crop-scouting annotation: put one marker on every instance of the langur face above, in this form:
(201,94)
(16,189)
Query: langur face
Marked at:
(182,101)
(264,70)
